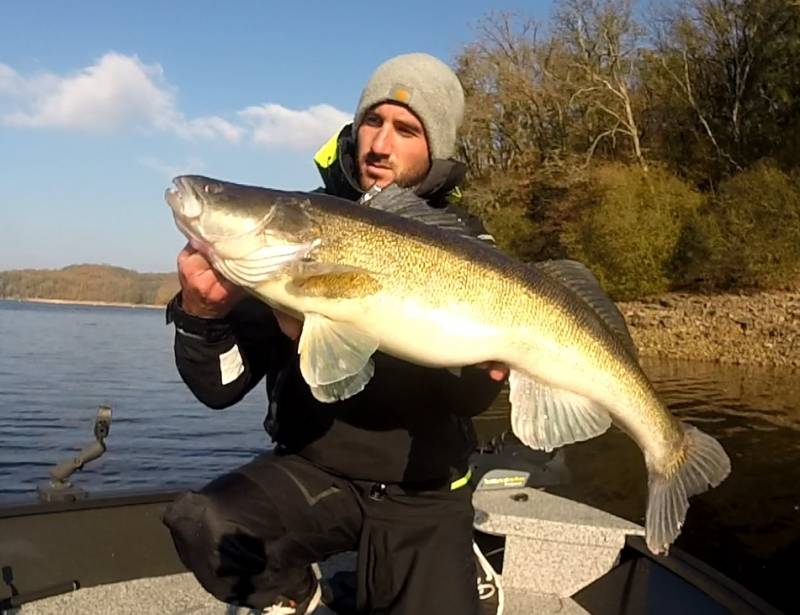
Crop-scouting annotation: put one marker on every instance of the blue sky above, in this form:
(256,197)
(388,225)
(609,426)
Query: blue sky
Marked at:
(101,103)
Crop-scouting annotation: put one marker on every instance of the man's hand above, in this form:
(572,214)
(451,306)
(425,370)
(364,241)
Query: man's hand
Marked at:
(291,327)
(497,371)
(204,292)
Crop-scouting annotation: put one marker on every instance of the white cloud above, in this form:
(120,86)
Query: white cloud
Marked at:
(15,86)
(207,127)
(117,92)
(191,166)
(121,93)
(274,125)
(10,82)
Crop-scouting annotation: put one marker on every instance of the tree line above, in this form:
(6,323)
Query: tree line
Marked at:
(100,283)
(660,146)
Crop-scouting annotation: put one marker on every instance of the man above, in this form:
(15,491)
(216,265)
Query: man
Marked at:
(384,472)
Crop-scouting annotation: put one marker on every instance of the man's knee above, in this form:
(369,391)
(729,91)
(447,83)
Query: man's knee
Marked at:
(226,558)
(188,518)
(194,523)
(191,519)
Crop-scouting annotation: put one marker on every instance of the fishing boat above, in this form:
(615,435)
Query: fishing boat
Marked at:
(74,551)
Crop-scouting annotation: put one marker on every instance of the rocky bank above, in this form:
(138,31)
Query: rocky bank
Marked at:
(758,328)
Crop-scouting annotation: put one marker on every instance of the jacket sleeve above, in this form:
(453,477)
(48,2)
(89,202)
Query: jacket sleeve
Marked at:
(221,360)
(467,394)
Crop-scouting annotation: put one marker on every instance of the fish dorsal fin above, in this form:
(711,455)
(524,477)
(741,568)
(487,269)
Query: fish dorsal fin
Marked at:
(403,202)
(581,281)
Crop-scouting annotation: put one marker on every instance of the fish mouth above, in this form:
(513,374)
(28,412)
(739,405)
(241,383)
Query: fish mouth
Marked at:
(188,197)
(183,199)
(174,194)
(186,214)
(176,198)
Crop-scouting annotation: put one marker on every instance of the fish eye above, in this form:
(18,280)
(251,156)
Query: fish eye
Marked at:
(213,188)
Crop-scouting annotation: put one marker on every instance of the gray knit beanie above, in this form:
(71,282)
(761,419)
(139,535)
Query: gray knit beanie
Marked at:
(425,85)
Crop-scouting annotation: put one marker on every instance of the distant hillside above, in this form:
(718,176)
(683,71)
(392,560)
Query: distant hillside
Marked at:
(101,283)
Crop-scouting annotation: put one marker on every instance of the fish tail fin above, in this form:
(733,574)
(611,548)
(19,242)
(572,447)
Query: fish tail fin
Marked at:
(701,464)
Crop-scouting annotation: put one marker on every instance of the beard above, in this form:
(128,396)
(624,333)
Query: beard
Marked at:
(410,178)
(405,178)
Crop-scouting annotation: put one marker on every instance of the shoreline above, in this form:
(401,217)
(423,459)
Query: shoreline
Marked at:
(147,306)
(759,328)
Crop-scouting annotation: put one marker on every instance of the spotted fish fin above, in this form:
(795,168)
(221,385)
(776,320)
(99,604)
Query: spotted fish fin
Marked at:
(545,418)
(404,202)
(335,357)
(581,281)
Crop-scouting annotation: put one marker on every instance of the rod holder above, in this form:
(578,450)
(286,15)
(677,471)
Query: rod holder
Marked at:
(59,488)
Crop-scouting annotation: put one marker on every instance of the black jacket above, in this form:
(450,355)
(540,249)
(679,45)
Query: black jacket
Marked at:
(409,425)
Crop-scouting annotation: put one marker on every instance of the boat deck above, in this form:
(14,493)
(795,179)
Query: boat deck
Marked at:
(553,547)
(558,556)
(180,594)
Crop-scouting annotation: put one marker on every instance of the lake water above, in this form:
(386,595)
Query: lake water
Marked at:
(58,363)
(749,526)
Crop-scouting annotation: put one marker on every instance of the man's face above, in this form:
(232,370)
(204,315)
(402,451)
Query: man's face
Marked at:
(392,147)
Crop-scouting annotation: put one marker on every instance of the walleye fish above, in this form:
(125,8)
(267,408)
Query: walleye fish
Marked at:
(395,275)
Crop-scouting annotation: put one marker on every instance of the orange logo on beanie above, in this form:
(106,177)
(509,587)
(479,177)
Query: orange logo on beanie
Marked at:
(400,93)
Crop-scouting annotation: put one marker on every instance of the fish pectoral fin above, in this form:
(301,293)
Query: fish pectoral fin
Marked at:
(263,263)
(332,281)
(312,269)
(335,357)
(702,463)
(545,418)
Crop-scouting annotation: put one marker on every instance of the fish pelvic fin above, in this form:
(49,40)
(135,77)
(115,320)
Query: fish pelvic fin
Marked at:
(347,387)
(335,357)
(545,418)
(701,464)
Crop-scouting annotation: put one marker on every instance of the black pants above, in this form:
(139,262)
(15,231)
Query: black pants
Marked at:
(251,535)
